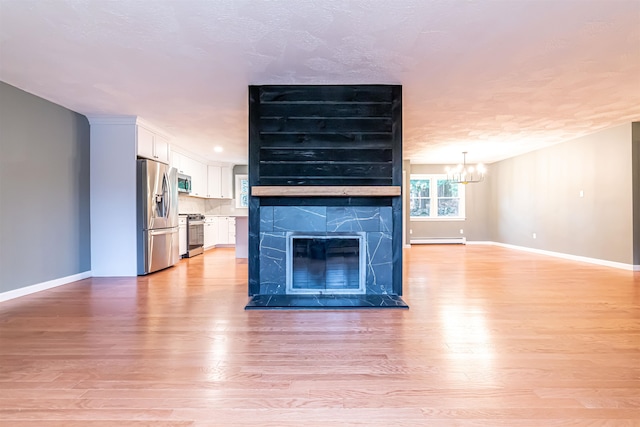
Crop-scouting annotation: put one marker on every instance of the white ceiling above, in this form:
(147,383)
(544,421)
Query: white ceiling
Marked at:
(495,78)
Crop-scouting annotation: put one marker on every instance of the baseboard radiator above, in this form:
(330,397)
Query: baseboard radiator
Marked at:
(440,241)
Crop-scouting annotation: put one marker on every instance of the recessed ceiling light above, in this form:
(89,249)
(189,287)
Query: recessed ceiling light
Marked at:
(218,149)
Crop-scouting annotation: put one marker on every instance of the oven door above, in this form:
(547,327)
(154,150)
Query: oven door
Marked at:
(195,237)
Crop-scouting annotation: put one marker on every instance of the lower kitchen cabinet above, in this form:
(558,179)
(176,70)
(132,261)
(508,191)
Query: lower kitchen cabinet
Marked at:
(231,236)
(219,230)
(223,231)
(227,230)
(210,231)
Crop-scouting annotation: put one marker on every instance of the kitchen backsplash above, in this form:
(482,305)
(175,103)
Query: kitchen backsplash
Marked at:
(223,207)
(188,204)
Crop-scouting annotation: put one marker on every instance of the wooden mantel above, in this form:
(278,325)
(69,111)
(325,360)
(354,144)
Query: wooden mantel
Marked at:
(326,191)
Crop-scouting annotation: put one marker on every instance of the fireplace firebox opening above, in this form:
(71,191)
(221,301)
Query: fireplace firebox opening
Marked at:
(325,263)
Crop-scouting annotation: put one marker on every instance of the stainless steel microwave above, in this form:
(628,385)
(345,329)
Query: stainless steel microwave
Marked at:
(184,183)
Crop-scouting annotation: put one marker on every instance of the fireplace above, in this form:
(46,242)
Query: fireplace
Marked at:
(370,226)
(325,208)
(330,263)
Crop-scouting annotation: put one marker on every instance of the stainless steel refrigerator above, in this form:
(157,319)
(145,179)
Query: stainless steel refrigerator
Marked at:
(157,210)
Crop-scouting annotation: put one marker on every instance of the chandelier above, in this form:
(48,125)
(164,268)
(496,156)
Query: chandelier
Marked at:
(465,174)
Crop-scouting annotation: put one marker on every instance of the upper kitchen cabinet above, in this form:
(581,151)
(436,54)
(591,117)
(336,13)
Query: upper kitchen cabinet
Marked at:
(198,173)
(178,162)
(151,145)
(208,181)
(199,179)
(219,180)
(226,180)
(196,170)
(213,181)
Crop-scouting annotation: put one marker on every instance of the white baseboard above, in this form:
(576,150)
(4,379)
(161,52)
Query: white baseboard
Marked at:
(27,290)
(440,240)
(596,261)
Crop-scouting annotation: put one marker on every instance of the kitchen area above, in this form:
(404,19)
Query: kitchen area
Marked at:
(212,196)
(209,214)
(210,223)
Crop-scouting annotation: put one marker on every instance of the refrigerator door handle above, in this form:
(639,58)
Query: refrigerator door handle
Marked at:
(163,231)
(162,199)
(166,191)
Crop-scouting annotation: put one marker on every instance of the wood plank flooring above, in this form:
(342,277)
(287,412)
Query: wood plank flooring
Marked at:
(494,337)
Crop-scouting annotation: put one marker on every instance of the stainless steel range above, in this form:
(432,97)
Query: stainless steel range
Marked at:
(195,235)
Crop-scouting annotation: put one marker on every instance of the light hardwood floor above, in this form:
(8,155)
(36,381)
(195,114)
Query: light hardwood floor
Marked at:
(494,337)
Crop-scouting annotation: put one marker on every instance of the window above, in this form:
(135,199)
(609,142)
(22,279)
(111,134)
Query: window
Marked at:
(242,191)
(433,197)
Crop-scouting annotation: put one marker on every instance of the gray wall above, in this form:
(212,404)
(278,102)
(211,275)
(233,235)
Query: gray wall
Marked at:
(476,224)
(539,192)
(238,170)
(44,190)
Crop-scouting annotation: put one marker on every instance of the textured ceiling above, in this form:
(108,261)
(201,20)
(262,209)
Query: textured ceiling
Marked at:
(495,78)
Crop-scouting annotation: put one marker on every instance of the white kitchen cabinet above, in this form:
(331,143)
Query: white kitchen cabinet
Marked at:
(177,162)
(186,164)
(198,173)
(213,181)
(226,230)
(210,231)
(223,231)
(209,181)
(161,146)
(219,179)
(151,145)
(226,179)
(182,234)
(145,143)
(232,231)
(199,179)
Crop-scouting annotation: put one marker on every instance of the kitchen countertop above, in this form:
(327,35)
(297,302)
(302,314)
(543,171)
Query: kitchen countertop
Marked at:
(222,215)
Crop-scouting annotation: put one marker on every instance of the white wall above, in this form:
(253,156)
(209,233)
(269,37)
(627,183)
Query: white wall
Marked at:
(113,199)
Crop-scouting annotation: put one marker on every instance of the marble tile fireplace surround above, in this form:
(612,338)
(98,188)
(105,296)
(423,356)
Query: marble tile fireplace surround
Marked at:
(369,226)
(325,209)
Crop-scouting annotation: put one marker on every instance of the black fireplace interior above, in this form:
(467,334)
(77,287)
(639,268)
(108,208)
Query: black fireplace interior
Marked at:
(325,209)
(325,265)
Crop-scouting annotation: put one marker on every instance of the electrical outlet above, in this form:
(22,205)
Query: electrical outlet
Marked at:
(534,235)
(581,193)
(410,231)
(461,231)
